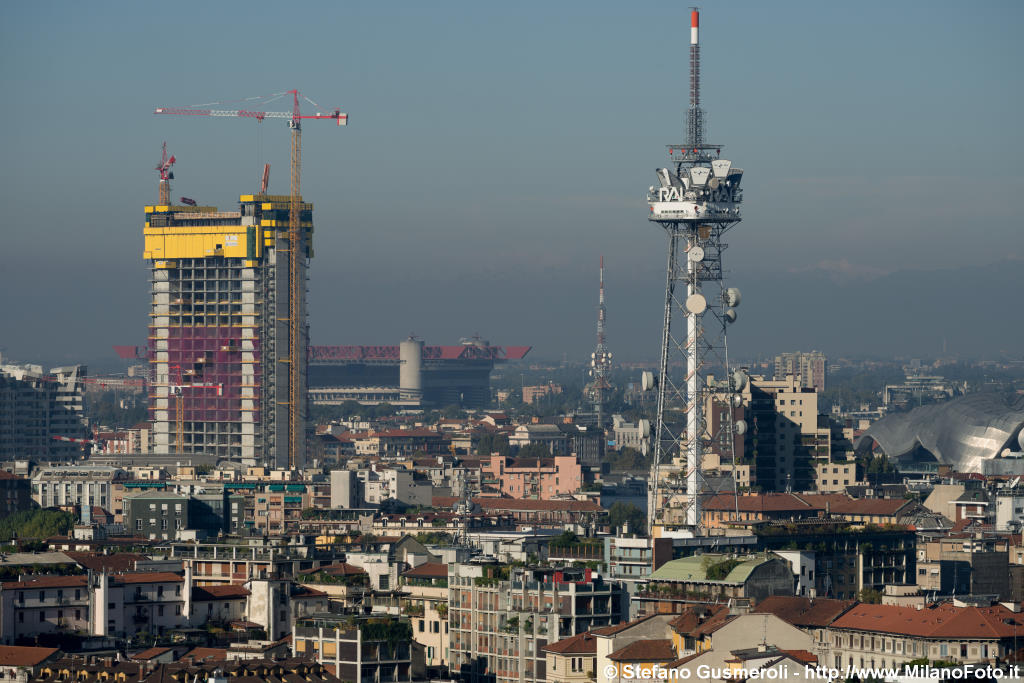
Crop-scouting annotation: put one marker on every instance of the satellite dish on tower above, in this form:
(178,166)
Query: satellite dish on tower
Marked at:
(696,304)
(646,380)
(696,254)
(730,315)
(732,297)
(741,427)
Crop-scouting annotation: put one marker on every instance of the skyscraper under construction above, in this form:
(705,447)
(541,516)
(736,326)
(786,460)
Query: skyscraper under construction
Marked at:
(219,344)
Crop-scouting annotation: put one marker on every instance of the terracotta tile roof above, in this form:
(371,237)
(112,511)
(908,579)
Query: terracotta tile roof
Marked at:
(693,616)
(225,592)
(444,501)
(940,621)
(4,474)
(115,562)
(645,651)
(47,582)
(200,654)
(581,644)
(147,577)
(428,570)
(301,592)
(537,505)
(152,652)
(765,502)
(15,655)
(802,656)
(842,504)
(806,612)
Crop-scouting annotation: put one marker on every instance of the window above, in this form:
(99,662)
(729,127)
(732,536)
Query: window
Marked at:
(421,625)
(160,611)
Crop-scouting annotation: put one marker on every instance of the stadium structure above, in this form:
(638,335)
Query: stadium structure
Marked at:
(409,374)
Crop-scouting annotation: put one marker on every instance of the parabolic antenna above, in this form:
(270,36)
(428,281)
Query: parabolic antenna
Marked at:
(739,380)
(696,304)
(732,297)
(741,427)
(730,315)
(646,380)
(696,254)
(644,427)
(1020,439)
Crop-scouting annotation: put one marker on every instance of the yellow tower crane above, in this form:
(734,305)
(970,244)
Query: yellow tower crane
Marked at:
(296,432)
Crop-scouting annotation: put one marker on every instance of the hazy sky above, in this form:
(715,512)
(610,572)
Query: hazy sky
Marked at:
(496,150)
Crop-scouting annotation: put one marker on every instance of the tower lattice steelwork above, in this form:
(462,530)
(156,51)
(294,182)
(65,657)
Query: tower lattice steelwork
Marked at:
(696,202)
(600,360)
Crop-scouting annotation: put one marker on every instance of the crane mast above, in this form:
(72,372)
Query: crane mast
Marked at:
(295,359)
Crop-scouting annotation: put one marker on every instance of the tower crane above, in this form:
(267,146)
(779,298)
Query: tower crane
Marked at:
(166,176)
(296,431)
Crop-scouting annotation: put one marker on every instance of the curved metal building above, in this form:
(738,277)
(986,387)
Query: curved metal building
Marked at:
(968,433)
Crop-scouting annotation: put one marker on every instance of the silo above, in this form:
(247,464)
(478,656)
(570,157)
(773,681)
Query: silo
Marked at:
(410,372)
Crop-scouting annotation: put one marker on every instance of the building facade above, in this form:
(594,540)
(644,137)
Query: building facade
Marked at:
(35,407)
(501,618)
(219,329)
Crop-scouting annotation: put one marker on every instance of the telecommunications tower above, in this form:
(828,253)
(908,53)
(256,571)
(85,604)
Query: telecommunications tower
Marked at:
(696,201)
(600,360)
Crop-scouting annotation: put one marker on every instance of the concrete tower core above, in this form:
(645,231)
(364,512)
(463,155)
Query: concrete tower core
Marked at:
(410,370)
(218,335)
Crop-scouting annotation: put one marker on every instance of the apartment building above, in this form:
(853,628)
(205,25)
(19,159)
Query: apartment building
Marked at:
(502,617)
(783,439)
(15,493)
(889,635)
(537,478)
(361,649)
(36,406)
(427,608)
(71,486)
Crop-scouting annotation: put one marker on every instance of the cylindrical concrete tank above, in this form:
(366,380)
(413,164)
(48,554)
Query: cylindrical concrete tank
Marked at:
(410,372)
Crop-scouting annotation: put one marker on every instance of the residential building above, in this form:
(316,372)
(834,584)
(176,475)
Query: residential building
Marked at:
(572,659)
(963,564)
(71,486)
(15,494)
(811,367)
(536,478)
(36,407)
(358,649)
(783,440)
(157,515)
(713,578)
(222,298)
(502,617)
(22,664)
(888,635)
(427,608)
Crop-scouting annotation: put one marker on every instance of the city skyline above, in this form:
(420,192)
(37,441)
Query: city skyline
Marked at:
(493,157)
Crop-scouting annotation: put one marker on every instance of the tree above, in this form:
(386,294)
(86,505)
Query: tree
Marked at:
(871,596)
(35,524)
(453,412)
(627,513)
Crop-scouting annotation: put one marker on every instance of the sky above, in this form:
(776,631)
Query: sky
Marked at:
(496,150)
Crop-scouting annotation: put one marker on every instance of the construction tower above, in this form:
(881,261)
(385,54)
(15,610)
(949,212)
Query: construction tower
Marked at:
(696,201)
(219,327)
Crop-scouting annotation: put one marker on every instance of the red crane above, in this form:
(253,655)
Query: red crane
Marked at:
(296,431)
(166,176)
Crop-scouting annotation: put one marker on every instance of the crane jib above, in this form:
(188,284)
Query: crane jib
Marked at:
(249,114)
